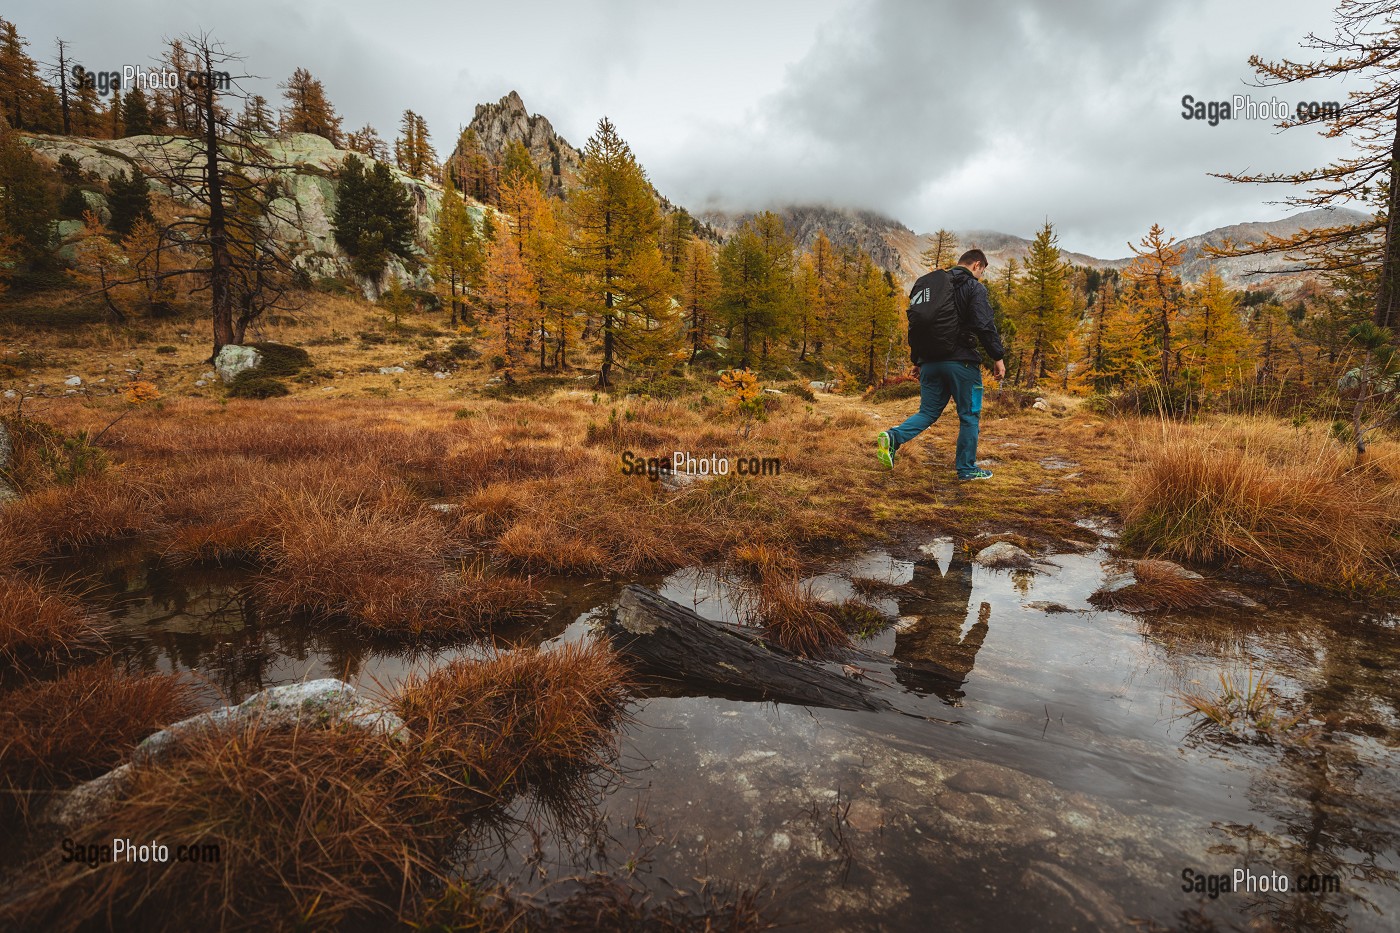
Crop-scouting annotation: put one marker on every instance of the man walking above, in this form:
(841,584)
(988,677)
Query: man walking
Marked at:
(948,316)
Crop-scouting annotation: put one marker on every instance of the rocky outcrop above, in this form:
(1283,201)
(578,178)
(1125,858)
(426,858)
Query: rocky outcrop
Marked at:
(498,125)
(305,166)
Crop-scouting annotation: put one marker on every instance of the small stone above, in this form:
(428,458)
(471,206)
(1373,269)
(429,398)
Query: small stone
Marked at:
(200,383)
(390,370)
(1039,405)
(1045,605)
(73,381)
(1002,554)
(439,375)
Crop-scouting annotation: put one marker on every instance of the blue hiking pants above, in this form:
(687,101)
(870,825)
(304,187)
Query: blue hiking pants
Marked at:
(939,382)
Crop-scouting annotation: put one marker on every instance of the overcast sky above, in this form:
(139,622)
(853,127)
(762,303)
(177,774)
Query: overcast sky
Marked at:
(967,115)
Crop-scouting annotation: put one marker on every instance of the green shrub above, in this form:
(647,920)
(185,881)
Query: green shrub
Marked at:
(278,359)
(901,387)
(253,384)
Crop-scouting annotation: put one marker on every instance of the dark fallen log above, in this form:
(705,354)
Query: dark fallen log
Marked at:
(668,641)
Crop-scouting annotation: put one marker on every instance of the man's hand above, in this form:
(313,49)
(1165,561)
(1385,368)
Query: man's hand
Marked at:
(999,369)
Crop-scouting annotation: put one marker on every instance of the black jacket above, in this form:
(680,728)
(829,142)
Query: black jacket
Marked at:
(977,320)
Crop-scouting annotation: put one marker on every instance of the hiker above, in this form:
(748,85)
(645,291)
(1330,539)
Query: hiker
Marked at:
(948,316)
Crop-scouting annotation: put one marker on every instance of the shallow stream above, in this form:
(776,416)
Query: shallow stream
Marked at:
(1054,782)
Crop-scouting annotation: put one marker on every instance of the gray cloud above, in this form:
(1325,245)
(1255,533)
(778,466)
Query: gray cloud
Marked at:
(987,115)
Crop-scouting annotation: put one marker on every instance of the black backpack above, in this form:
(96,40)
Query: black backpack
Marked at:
(935,318)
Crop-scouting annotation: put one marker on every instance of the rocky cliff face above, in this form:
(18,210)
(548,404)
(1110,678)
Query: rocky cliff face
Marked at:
(306,167)
(507,120)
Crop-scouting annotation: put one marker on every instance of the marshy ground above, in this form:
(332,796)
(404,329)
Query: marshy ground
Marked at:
(1058,757)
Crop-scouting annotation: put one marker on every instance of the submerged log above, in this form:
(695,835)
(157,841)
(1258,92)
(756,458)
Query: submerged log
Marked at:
(669,641)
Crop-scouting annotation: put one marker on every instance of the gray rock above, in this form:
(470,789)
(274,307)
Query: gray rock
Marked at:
(324,702)
(7,492)
(819,386)
(1002,554)
(233,359)
(440,375)
(391,370)
(73,381)
(1040,405)
(1045,605)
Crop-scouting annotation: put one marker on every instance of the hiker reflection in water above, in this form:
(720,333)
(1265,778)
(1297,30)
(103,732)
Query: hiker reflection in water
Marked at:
(933,655)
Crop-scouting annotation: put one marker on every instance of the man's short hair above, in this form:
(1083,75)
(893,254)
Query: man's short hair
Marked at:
(972,256)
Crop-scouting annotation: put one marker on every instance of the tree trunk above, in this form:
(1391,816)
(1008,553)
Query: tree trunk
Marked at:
(670,642)
(1388,292)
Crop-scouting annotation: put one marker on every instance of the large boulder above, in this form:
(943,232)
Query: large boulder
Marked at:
(233,359)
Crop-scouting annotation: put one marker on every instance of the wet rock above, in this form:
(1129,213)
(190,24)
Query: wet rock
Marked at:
(233,359)
(996,781)
(324,702)
(1045,605)
(1066,895)
(1002,554)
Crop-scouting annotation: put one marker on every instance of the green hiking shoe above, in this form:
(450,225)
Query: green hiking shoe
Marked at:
(883,451)
(978,473)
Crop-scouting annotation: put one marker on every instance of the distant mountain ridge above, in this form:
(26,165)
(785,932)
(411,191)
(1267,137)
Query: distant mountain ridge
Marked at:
(897,248)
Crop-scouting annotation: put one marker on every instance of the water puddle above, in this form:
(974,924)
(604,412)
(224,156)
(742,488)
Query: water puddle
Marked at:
(1046,776)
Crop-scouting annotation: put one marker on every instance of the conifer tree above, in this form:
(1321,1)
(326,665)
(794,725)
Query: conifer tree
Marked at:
(26,101)
(367,142)
(1213,336)
(1042,306)
(113,116)
(942,252)
(615,247)
(517,163)
(257,117)
(699,294)
(136,115)
(456,255)
(756,285)
(373,218)
(130,201)
(89,118)
(27,206)
(413,152)
(511,301)
(1156,295)
(1362,53)
(308,110)
(476,176)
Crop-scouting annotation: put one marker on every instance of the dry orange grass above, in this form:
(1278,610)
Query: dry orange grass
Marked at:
(380,565)
(796,620)
(519,718)
(325,828)
(74,728)
(40,626)
(315,829)
(1269,497)
(93,511)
